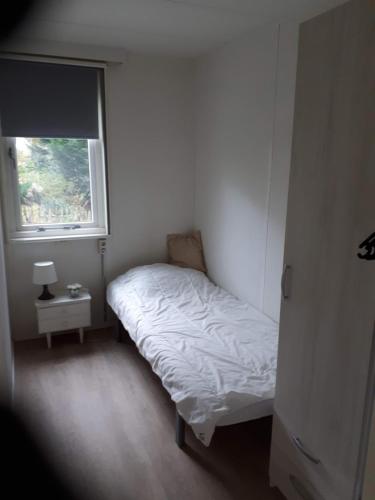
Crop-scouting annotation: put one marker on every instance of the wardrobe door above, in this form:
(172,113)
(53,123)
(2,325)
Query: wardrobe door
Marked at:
(328,309)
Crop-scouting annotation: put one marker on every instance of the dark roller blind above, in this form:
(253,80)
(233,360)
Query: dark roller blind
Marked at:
(48,100)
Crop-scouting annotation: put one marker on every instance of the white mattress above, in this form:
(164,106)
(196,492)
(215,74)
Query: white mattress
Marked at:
(215,355)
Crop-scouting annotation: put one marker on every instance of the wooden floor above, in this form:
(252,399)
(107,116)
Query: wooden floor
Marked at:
(108,425)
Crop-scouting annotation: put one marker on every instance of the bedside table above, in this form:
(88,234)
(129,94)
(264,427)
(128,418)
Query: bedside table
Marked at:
(63,313)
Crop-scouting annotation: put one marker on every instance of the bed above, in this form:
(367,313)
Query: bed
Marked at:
(215,355)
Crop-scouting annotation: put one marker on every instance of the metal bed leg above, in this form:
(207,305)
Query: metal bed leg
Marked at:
(180,430)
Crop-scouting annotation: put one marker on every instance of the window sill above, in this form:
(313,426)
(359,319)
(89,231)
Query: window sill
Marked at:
(68,237)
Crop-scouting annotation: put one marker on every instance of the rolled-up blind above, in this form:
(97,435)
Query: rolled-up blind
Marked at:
(40,99)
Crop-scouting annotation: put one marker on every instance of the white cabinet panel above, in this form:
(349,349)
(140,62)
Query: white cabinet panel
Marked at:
(60,324)
(64,313)
(61,312)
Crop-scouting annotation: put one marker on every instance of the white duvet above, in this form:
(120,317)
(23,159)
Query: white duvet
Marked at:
(214,354)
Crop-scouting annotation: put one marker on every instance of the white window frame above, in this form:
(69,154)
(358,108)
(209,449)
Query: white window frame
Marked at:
(18,232)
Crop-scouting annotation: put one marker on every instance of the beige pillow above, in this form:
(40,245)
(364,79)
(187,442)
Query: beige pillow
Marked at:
(186,250)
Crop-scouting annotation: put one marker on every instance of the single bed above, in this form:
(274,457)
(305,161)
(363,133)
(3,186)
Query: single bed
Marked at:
(215,355)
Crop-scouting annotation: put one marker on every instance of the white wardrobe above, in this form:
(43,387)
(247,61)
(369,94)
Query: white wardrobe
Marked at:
(325,371)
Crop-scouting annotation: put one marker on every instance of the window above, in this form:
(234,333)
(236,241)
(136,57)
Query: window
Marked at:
(56,186)
(54,182)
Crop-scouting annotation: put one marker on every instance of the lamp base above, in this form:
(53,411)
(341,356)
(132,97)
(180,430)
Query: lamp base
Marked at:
(46,294)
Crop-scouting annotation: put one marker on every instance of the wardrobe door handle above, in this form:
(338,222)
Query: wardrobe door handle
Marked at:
(299,445)
(300,488)
(285,282)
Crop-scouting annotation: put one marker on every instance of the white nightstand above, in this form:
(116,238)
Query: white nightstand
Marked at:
(63,313)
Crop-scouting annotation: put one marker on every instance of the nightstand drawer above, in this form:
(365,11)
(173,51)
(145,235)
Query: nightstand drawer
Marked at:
(64,323)
(61,312)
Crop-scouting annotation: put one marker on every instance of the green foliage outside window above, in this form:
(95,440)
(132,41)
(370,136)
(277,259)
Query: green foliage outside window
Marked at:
(54,181)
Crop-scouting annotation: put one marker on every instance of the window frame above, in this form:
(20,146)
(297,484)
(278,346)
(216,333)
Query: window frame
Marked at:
(98,228)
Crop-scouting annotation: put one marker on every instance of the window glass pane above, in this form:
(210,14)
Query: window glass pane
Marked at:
(54,181)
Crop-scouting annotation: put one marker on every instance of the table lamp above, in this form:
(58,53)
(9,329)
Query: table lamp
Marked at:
(44,273)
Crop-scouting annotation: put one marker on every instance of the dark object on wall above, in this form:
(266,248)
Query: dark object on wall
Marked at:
(369,247)
(14,15)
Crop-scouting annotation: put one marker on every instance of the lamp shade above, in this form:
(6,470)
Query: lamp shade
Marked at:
(44,273)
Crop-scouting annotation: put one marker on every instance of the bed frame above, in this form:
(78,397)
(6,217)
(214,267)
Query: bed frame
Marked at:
(180,422)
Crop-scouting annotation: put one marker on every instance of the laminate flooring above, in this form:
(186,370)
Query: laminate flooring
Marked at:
(107,425)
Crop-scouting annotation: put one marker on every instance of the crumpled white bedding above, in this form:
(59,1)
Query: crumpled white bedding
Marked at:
(213,353)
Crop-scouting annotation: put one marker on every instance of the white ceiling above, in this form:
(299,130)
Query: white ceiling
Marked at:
(185,27)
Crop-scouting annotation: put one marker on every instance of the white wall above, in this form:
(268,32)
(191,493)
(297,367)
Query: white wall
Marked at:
(151,182)
(150,142)
(244,110)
